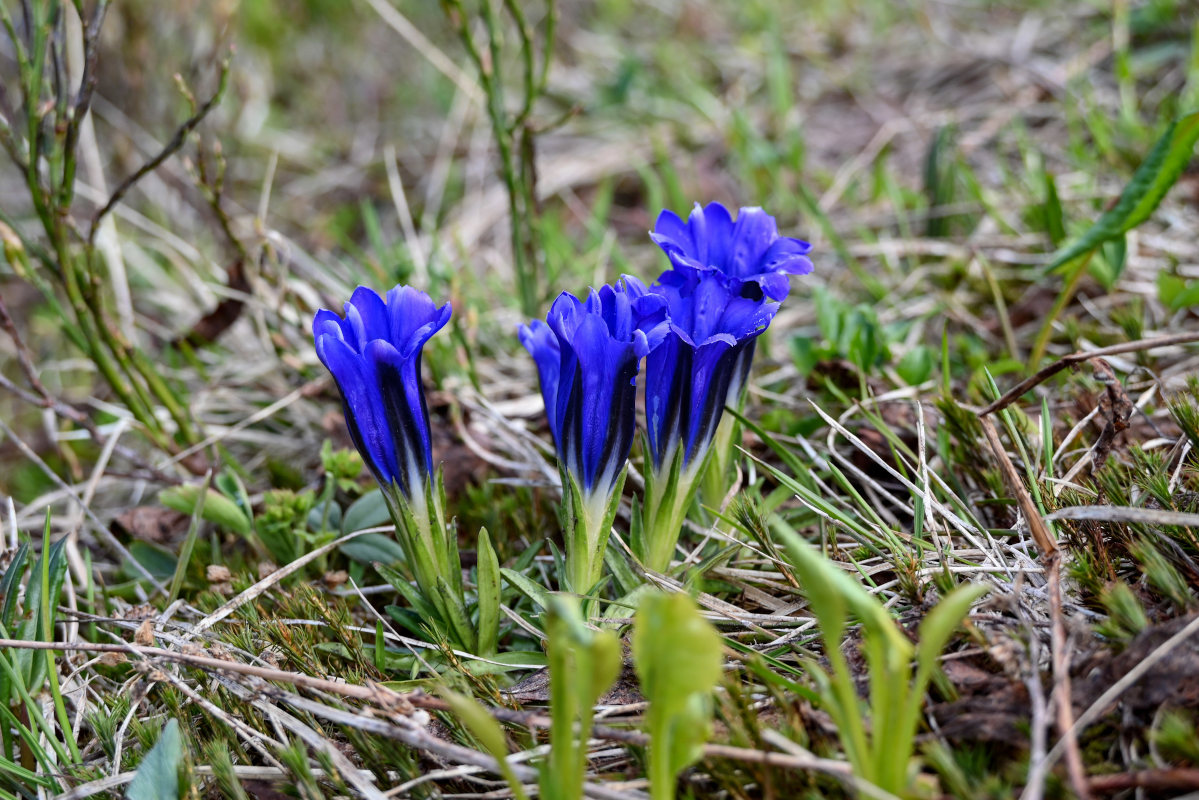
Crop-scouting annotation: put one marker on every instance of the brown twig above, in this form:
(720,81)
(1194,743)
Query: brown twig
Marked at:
(1062,692)
(1036,525)
(169,149)
(1060,652)
(1042,375)
(1152,779)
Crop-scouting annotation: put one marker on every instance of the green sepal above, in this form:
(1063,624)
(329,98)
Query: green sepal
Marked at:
(455,614)
(414,597)
(668,497)
(586,538)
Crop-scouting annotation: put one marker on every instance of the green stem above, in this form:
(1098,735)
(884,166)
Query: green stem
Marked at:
(1073,278)
(661,779)
(60,709)
(666,503)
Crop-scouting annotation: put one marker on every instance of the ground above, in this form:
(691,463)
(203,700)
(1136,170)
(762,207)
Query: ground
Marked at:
(954,407)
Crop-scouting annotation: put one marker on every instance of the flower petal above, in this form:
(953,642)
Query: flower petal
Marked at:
(541,342)
(365,415)
(366,316)
(374,354)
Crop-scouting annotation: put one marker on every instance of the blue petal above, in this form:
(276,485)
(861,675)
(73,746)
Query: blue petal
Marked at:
(363,405)
(413,318)
(541,342)
(749,249)
(327,323)
(407,415)
(366,317)
(606,405)
(712,231)
(374,354)
(590,392)
(787,255)
(711,371)
(752,236)
(713,324)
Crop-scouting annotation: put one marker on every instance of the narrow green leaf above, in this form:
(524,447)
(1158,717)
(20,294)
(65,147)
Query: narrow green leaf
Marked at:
(1055,225)
(485,728)
(10,584)
(216,508)
(1149,184)
(528,587)
(456,615)
(189,543)
(489,596)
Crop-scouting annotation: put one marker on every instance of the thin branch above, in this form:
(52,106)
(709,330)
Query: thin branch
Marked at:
(87,85)
(1063,695)
(169,149)
(1065,362)
(1036,525)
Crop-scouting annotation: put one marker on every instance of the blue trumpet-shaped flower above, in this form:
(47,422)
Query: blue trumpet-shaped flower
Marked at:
(748,249)
(588,354)
(688,377)
(588,357)
(374,354)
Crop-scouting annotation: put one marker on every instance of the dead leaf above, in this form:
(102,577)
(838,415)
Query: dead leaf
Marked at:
(153,524)
(1115,406)
(145,634)
(218,573)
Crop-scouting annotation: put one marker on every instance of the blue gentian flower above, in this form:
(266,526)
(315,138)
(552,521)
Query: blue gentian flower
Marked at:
(701,361)
(588,357)
(374,354)
(588,354)
(749,249)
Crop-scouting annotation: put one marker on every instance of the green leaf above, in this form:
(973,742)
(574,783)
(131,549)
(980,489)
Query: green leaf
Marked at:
(217,508)
(368,511)
(512,661)
(916,366)
(1175,292)
(528,587)
(677,655)
(316,516)
(372,548)
(583,664)
(10,585)
(489,596)
(1149,184)
(1055,225)
(185,552)
(455,615)
(155,560)
(1108,268)
(480,723)
(158,776)
(939,178)
(940,623)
